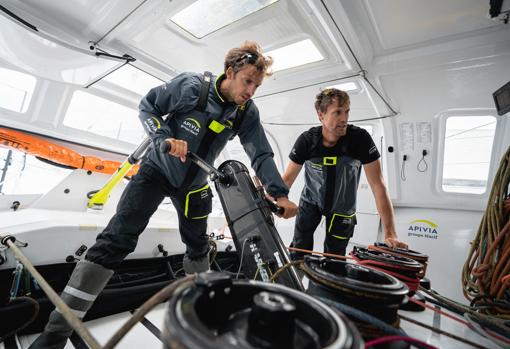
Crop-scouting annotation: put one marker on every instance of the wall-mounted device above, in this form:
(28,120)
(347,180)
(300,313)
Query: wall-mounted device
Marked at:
(502,99)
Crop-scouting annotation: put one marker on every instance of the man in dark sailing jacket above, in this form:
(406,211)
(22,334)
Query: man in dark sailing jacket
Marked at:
(333,155)
(199,121)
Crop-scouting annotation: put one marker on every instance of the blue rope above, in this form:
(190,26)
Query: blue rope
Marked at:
(364,317)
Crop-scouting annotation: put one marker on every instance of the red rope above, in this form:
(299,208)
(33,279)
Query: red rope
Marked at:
(391,339)
(412,283)
(490,333)
(338,256)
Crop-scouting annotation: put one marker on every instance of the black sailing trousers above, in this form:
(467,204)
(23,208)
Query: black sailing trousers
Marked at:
(308,218)
(139,201)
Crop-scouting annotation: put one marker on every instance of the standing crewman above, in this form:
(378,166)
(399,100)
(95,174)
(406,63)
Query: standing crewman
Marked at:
(203,113)
(333,155)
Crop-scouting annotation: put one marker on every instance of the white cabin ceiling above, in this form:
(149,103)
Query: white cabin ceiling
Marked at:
(79,21)
(142,28)
(399,24)
(373,30)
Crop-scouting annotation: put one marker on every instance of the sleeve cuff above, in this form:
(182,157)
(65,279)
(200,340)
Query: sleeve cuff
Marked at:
(297,161)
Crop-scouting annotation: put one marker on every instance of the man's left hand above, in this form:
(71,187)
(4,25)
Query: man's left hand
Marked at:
(290,208)
(394,242)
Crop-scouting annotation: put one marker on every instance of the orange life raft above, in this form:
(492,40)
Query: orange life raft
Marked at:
(39,147)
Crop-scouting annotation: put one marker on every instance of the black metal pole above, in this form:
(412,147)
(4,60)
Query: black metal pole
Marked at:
(4,170)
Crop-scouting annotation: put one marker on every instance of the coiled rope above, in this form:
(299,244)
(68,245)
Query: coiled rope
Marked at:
(486,272)
(403,268)
(406,253)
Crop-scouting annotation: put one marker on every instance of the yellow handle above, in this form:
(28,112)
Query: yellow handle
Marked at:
(101,197)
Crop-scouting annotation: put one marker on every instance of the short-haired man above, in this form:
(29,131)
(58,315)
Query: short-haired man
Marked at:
(333,155)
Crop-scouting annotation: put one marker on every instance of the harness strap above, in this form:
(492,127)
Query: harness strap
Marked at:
(329,163)
(213,129)
(204,91)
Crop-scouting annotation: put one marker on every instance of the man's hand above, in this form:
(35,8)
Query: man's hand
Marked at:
(394,242)
(290,208)
(178,148)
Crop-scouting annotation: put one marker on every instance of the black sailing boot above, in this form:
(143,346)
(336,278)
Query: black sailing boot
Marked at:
(86,282)
(195,265)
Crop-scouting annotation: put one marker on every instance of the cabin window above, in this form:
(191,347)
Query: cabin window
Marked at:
(16,89)
(100,116)
(467,153)
(294,55)
(133,79)
(205,16)
(368,128)
(25,174)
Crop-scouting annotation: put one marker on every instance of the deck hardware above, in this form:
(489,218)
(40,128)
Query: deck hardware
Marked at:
(15,205)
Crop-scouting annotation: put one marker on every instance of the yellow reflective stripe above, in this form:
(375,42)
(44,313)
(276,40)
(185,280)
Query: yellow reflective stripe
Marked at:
(339,237)
(157,122)
(216,127)
(200,217)
(339,215)
(186,205)
(329,160)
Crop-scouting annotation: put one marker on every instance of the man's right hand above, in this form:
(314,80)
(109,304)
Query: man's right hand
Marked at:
(178,148)
(393,242)
(289,208)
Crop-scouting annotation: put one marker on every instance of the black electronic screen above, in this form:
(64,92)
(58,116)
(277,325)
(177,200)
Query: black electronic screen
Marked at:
(502,99)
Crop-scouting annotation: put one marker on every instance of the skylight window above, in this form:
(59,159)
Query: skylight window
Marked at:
(346,86)
(133,79)
(294,55)
(206,16)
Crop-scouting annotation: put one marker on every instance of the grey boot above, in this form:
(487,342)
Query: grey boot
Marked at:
(86,283)
(198,265)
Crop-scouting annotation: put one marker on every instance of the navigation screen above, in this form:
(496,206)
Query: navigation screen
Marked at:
(502,99)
